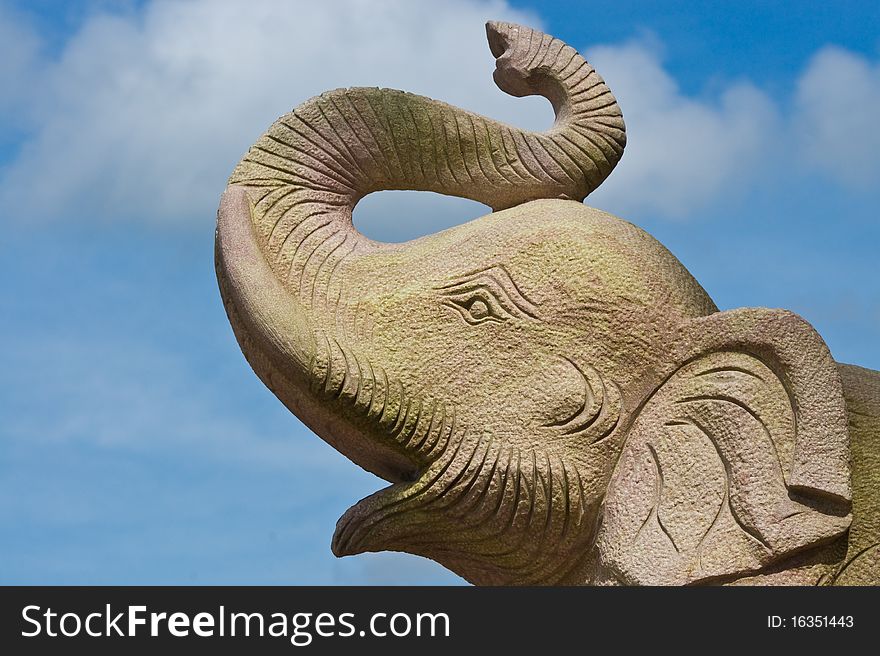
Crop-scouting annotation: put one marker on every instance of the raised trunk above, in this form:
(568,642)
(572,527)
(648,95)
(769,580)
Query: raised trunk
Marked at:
(306,173)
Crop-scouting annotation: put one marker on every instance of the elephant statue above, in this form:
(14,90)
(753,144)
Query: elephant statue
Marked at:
(551,395)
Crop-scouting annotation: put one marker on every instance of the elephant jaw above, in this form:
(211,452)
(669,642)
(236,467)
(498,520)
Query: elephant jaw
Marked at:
(400,517)
(354,532)
(492,513)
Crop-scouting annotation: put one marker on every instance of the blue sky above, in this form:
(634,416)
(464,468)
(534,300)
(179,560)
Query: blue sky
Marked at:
(137,446)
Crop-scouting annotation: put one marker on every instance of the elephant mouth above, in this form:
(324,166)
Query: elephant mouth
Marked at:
(353,529)
(356,529)
(380,521)
(412,441)
(398,433)
(433,462)
(382,457)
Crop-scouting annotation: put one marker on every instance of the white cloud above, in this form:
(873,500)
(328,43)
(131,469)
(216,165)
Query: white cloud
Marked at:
(837,113)
(145,115)
(20,48)
(682,153)
(142,115)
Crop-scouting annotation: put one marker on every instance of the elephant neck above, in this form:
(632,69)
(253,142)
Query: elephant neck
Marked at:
(861,564)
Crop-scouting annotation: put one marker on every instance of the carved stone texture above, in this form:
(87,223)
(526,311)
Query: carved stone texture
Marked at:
(553,397)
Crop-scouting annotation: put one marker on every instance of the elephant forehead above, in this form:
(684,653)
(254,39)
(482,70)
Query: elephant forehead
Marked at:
(561,255)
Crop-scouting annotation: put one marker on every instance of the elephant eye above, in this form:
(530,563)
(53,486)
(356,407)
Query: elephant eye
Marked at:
(478,307)
(487,295)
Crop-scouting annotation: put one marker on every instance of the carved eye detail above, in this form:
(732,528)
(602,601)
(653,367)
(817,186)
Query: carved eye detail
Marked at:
(478,307)
(479,310)
(487,295)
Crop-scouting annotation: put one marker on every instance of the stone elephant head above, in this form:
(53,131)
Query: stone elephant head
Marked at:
(552,396)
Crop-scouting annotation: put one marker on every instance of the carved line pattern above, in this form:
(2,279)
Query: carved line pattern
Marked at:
(524,519)
(418,423)
(748,530)
(644,402)
(720,398)
(494,281)
(427,426)
(461,484)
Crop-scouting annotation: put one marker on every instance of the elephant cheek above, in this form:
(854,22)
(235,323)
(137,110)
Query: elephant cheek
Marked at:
(554,394)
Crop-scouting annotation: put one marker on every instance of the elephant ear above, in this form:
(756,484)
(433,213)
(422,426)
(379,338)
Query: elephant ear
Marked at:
(738,459)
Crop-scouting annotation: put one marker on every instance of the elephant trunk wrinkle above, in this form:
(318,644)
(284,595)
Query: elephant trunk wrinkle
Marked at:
(420,428)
